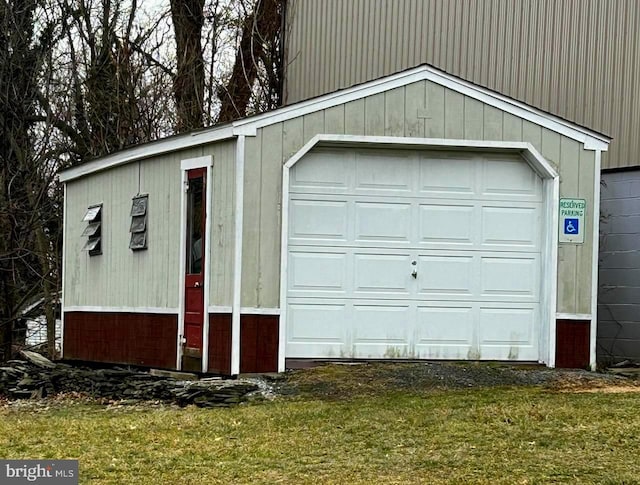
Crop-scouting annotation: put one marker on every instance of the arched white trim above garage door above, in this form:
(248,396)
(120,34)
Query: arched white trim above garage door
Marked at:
(550,194)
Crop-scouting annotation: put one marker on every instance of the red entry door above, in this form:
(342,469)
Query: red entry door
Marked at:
(194,278)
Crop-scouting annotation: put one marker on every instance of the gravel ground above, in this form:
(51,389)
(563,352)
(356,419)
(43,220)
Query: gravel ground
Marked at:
(339,380)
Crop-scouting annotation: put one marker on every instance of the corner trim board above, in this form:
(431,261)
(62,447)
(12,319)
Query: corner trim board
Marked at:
(551,270)
(594,260)
(208,225)
(182,266)
(237,254)
(64,273)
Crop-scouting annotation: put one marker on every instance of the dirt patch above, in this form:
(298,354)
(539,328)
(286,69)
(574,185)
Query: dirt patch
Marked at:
(336,381)
(618,388)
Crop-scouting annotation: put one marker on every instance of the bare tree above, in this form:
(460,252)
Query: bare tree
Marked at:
(26,202)
(188,84)
(82,78)
(258,60)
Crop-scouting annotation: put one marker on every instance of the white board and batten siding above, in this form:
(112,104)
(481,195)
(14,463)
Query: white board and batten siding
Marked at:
(409,254)
(123,280)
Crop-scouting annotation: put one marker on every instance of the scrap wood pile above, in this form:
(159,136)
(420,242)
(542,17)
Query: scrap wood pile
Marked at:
(36,377)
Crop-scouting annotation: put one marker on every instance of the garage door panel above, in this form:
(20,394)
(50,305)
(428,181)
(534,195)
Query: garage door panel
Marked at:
(447,177)
(510,277)
(441,276)
(386,274)
(506,326)
(383,222)
(445,325)
(511,227)
(451,224)
(318,220)
(381,331)
(385,175)
(510,178)
(322,172)
(317,271)
(316,329)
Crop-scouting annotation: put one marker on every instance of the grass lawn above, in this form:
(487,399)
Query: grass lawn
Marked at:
(497,435)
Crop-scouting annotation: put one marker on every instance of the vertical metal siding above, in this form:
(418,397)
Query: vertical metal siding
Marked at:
(619,280)
(579,59)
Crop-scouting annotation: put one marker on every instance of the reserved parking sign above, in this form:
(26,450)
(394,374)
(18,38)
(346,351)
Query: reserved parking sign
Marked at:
(571,228)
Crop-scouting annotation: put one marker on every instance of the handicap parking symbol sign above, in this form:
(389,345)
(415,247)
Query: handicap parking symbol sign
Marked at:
(571,226)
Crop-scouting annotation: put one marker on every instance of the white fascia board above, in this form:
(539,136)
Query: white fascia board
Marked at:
(590,139)
(333,99)
(147,150)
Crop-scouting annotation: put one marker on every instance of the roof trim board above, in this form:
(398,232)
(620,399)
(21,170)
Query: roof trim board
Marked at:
(249,126)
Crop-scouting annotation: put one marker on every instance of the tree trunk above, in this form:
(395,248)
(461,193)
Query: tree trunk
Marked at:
(261,30)
(188,84)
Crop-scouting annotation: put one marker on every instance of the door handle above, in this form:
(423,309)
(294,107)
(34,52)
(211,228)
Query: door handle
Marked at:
(414,269)
(197,284)
(414,273)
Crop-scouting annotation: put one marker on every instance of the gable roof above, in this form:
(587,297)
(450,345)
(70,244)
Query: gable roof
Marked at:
(248,126)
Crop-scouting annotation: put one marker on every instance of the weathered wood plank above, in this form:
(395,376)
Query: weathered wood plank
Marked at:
(292,137)
(434,111)
(374,115)
(251,220)
(313,124)
(492,123)
(585,251)
(533,134)
(567,254)
(270,217)
(354,117)
(512,127)
(473,119)
(454,115)
(394,112)
(334,120)
(414,102)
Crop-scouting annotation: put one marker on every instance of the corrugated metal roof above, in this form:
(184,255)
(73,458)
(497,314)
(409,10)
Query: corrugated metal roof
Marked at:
(577,59)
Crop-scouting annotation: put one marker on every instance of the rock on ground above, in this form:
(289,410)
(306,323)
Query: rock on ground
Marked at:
(37,377)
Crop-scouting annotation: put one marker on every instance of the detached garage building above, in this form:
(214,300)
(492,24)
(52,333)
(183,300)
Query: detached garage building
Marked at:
(412,217)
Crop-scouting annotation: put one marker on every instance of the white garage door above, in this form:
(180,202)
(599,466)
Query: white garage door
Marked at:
(404,254)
